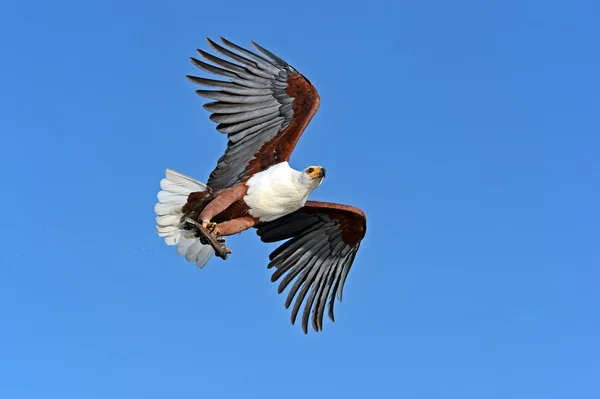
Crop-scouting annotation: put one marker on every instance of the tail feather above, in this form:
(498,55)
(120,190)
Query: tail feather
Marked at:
(176,188)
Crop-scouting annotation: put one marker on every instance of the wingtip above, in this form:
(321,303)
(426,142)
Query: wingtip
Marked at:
(315,326)
(196,62)
(270,55)
(257,46)
(211,42)
(331,316)
(202,53)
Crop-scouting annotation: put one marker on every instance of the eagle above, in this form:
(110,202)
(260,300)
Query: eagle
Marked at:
(263,105)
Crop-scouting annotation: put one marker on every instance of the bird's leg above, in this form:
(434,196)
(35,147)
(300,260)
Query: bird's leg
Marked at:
(210,232)
(229,228)
(222,201)
(235,226)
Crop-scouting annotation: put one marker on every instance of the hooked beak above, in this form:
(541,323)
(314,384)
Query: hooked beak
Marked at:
(323,171)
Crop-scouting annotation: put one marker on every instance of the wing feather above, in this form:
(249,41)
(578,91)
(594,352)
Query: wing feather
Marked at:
(307,281)
(220,108)
(322,242)
(251,65)
(316,287)
(305,261)
(263,108)
(263,63)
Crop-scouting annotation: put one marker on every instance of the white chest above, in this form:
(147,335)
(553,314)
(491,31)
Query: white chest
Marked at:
(275,192)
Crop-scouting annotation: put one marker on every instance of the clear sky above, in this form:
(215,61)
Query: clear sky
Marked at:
(468,131)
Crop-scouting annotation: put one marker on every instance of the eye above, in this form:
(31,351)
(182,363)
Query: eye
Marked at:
(310,170)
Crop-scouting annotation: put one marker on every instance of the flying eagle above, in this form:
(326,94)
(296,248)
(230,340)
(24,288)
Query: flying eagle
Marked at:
(263,107)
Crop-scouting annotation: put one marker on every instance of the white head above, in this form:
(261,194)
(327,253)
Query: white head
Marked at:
(312,176)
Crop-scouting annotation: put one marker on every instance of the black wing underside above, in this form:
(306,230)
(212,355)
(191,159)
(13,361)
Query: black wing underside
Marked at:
(315,258)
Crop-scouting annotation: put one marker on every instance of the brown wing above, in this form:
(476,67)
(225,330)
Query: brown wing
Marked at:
(323,241)
(263,108)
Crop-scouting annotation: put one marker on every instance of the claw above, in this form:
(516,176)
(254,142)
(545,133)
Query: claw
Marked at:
(211,226)
(209,235)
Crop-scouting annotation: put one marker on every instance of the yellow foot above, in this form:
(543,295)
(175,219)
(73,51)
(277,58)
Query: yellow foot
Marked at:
(211,226)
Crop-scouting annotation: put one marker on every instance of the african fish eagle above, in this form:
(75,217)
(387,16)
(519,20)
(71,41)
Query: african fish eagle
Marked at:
(263,107)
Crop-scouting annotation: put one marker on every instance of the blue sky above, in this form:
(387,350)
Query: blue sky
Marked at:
(468,131)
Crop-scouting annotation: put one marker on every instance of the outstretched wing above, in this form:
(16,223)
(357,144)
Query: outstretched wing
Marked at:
(323,241)
(263,108)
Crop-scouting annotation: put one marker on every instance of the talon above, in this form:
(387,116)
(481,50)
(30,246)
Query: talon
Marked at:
(209,234)
(208,224)
(211,226)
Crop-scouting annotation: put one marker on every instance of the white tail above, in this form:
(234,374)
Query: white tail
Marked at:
(176,188)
